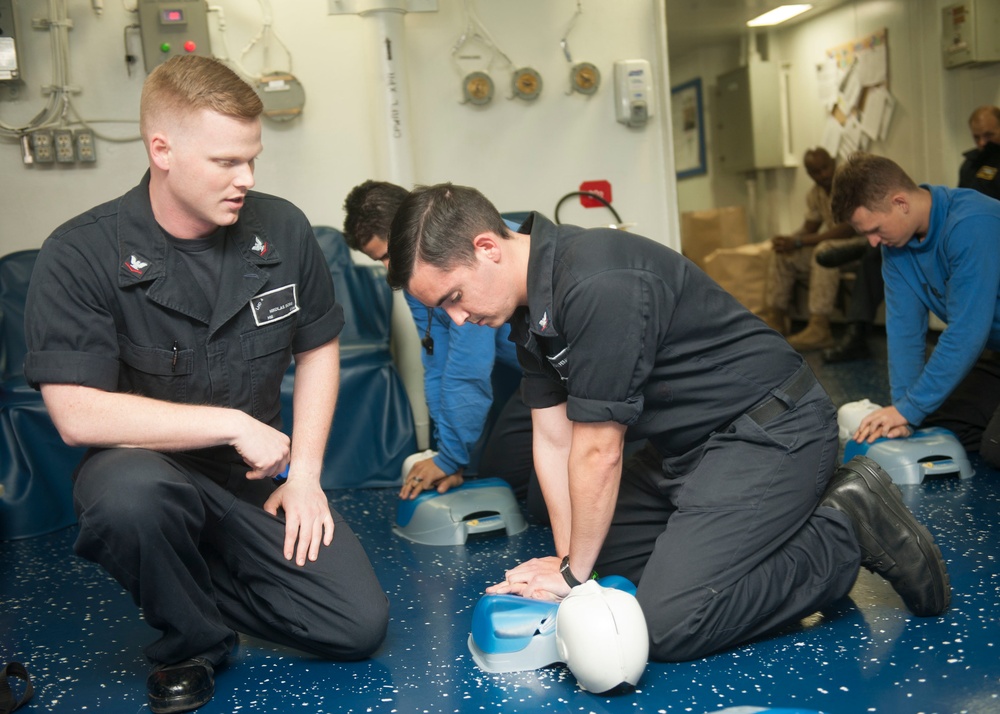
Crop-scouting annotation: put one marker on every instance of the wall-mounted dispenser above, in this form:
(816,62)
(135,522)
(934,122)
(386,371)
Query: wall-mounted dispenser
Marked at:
(633,92)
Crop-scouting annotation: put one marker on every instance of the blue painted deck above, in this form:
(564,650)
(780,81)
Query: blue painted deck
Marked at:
(80,635)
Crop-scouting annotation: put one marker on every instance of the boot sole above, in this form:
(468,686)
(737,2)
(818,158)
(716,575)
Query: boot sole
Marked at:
(881,484)
(186,703)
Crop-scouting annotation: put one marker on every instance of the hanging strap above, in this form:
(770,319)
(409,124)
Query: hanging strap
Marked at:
(7,701)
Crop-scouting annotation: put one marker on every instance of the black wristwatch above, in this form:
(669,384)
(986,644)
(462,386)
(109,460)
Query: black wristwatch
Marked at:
(568,574)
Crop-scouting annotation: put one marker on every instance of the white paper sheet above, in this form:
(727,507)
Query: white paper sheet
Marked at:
(871,117)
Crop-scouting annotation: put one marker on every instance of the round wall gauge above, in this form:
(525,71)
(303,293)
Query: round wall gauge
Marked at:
(527,83)
(282,94)
(585,78)
(478,88)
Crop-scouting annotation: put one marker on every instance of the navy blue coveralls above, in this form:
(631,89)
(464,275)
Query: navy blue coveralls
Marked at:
(112,306)
(716,519)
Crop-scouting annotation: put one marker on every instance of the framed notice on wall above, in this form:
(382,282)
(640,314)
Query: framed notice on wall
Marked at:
(689,129)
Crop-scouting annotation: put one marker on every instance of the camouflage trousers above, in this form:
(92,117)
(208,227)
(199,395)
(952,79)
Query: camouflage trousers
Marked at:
(800,266)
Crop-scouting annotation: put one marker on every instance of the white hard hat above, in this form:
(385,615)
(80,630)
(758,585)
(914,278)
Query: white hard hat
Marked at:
(602,637)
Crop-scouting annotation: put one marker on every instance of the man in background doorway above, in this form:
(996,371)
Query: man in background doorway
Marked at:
(981,168)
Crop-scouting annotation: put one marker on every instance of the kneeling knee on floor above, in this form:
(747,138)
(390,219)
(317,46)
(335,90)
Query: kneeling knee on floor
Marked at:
(353,638)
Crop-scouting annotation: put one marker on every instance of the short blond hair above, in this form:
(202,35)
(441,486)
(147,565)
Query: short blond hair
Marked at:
(190,83)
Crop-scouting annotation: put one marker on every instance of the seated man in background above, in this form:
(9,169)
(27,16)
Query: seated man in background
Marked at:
(793,261)
(459,363)
(731,520)
(159,327)
(940,253)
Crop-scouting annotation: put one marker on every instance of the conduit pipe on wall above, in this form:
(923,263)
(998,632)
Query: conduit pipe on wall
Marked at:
(395,161)
(392,95)
(392,99)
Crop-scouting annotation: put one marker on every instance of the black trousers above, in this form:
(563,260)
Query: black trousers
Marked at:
(726,541)
(869,288)
(972,411)
(507,454)
(189,540)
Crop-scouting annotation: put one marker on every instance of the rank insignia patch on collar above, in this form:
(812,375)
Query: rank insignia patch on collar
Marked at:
(136,265)
(260,247)
(987,172)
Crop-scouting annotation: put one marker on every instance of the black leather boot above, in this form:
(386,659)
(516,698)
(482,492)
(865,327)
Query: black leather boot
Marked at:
(180,687)
(853,345)
(893,544)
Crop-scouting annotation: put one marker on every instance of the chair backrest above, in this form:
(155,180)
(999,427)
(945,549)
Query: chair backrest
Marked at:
(15,272)
(361,289)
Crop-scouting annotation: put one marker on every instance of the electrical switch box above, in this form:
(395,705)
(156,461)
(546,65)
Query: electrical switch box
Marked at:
(970,33)
(633,92)
(9,69)
(748,127)
(171,28)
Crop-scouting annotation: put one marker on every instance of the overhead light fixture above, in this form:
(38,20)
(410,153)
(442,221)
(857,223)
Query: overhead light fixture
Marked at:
(778,15)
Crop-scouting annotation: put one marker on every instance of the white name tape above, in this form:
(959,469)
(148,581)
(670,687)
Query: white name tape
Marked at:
(274,305)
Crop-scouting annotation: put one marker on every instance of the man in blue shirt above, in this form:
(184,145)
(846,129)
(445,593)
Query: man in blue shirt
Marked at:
(940,254)
(459,364)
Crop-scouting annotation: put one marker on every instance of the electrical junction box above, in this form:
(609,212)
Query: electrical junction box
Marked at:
(9,69)
(970,33)
(169,29)
(749,130)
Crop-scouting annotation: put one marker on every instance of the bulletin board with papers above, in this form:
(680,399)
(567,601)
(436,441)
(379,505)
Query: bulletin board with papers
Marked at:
(853,81)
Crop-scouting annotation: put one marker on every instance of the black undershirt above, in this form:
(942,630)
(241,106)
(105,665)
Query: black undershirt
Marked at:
(203,257)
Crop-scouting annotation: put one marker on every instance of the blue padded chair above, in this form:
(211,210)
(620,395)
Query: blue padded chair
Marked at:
(15,272)
(36,492)
(373,429)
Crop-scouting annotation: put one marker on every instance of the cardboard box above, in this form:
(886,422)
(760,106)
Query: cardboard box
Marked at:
(702,232)
(742,272)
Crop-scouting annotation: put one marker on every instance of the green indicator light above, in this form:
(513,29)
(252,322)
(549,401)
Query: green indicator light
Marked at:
(165,47)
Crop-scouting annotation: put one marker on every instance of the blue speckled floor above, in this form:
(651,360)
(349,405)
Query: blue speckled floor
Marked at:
(80,635)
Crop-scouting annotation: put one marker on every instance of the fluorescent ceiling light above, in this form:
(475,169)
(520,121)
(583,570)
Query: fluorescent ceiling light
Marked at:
(778,15)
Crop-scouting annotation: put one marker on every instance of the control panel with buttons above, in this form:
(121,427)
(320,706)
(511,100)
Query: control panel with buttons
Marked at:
(175,27)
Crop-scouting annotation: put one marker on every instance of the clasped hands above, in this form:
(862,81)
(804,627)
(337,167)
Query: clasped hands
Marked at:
(426,475)
(539,578)
(885,422)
